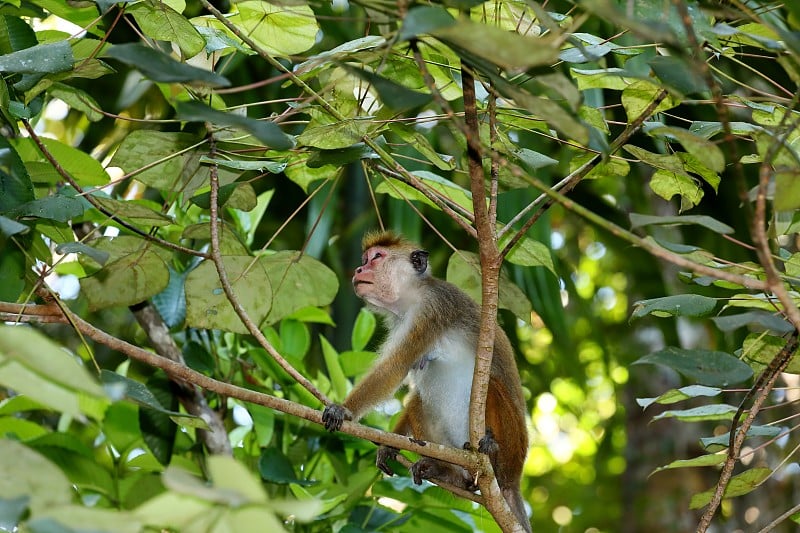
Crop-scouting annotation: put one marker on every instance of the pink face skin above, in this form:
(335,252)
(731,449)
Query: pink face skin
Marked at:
(364,275)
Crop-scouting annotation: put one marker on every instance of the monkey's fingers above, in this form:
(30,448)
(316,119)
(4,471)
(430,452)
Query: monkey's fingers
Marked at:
(334,415)
(382,457)
(488,445)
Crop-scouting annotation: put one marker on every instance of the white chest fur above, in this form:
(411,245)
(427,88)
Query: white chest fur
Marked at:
(444,384)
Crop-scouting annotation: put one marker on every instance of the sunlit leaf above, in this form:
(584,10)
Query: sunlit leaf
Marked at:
(715,411)
(708,152)
(739,485)
(363,329)
(162,23)
(85,169)
(706,367)
(679,395)
(133,212)
(667,184)
(713,459)
(762,348)
(640,95)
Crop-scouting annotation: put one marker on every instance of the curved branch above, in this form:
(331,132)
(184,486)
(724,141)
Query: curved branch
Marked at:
(52,313)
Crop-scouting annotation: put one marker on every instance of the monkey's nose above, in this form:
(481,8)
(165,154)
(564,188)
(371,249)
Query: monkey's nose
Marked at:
(358,270)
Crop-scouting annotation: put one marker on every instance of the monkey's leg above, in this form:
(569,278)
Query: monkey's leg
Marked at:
(429,468)
(407,425)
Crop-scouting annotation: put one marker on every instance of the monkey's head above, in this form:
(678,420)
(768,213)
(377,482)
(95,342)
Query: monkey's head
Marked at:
(390,272)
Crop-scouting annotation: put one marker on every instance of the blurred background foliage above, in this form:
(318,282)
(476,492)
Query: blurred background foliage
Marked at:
(593,447)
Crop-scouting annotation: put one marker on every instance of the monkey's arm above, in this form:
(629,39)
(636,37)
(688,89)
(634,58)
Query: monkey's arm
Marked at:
(388,373)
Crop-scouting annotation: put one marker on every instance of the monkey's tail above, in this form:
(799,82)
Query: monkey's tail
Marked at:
(514,499)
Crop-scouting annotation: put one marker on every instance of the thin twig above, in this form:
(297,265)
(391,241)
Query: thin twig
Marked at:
(216,257)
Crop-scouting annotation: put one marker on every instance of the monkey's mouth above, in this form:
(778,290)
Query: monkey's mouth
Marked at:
(361,282)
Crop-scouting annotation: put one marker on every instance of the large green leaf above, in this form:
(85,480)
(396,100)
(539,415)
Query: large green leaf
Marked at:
(463,270)
(264,130)
(162,23)
(762,348)
(40,59)
(136,271)
(297,281)
(85,169)
(716,369)
(639,220)
(27,473)
(679,395)
(160,67)
(15,184)
(33,365)
(208,307)
(739,485)
(691,305)
(279,29)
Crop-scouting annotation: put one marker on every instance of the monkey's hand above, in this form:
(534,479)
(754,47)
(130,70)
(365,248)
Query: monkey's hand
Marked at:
(384,454)
(334,415)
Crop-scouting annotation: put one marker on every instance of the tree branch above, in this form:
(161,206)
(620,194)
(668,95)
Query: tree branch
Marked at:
(177,371)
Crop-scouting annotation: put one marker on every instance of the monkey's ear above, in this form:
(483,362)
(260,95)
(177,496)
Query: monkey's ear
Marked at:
(419,260)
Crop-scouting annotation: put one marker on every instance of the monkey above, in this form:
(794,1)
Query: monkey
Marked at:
(432,341)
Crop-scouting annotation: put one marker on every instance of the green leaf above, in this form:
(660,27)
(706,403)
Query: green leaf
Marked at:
(708,152)
(260,165)
(76,99)
(356,362)
(508,50)
(739,485)
(762,348)
(638,221)
(754,431)
(692,305)
(424,19)
(275,467)
(121,386)
(393,95)
(667,184)
(162,23)
(335,372)
(297,281)
(363,329)
(40,59)
(33,365)
(160,67)
(279,29)
(208,307)
(444,187)
(753,318)
(333,136)
(463,271)
(639,95)
(133,212)
(10,227)
(712,459)
(136,272)
(675,72)
(679,395)
(15,185)
(716,369)
(59,208)
(12,273)
(83,168)
(28,473)
(717,411)
(265,131)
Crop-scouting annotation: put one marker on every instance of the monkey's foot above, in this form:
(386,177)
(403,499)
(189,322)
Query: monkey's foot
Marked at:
(427,468)
(384,454)
(334,415)
(489,446)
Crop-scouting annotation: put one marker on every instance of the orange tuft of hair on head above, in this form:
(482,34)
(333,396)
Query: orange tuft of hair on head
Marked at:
(387,239)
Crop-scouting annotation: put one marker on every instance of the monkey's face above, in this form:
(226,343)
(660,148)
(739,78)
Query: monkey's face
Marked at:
(385,278)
